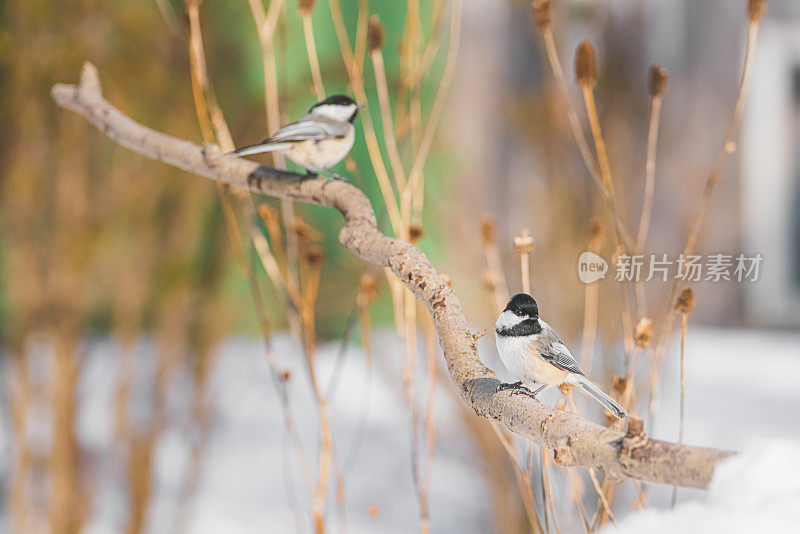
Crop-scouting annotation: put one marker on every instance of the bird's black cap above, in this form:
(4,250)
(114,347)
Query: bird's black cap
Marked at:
(339,100)
(523,305)
(336,100)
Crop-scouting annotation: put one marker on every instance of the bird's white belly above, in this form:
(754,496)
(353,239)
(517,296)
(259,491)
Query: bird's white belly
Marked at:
(320,155)
(519,356)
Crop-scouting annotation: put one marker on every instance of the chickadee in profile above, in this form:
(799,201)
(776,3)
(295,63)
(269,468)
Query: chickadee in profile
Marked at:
(317,141)
(531,350)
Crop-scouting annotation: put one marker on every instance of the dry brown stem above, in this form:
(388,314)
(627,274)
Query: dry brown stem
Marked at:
(658,82)
(577,133)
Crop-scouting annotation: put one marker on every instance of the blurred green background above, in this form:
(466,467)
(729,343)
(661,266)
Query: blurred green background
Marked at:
(94,236)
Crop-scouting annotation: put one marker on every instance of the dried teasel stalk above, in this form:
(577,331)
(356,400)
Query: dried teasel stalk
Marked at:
(415,233)
(657,80)
(585,67)
(756,10)
(597,234)
(306,7)
(523,243)
(620,384)
(544,14)
(685,302)
(375,33)
(306,233)
(488,229)
(367,289)
(643,332)
(314,255)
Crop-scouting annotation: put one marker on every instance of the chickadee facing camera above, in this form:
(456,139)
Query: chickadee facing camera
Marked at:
(319,140)
(531,350)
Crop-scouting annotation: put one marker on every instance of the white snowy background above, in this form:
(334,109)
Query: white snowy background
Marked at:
(741,393)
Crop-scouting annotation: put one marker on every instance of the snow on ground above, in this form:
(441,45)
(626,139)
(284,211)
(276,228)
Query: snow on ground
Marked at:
(741,388)
(756,491)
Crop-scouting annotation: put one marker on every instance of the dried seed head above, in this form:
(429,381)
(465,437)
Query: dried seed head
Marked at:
(368,289)
(523,243)
(305,232)
(375,33)
(585,68)
(305,7)
(488,229)
(658,80)
(756,9)
(314,255)
(643,332)
(685,302)
(544,13)
(620,384)
(635,427)
(415,233)
(597,234)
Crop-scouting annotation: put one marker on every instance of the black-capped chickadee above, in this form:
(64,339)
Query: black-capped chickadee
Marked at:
(317,141)
(531,350)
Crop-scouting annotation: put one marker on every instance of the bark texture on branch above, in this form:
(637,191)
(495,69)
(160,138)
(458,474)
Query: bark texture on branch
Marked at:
(575,441)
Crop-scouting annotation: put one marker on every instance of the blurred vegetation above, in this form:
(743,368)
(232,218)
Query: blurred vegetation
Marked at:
(96,241)
(93,235)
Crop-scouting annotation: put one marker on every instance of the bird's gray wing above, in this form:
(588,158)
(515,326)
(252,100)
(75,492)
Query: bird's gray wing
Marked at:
(311,129)
(554,351)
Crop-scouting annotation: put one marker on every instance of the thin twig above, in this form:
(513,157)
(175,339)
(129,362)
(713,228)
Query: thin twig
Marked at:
(650,173)
(313,60)
(386,116)
(415,175)
(523,481)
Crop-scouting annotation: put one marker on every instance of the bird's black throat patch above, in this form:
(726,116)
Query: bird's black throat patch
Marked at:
(528,327)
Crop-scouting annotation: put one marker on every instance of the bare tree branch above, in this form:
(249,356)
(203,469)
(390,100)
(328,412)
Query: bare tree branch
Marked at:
(575,442)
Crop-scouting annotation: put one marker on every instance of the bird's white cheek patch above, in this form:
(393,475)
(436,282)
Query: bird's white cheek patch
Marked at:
(340,113)
(507,319)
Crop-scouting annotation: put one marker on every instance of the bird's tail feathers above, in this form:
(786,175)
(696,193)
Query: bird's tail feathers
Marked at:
(259,148)
(600,396)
